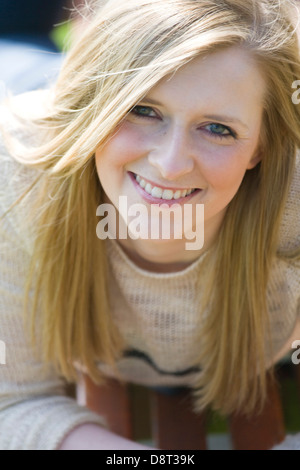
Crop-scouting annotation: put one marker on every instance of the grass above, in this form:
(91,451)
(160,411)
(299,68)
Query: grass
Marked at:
(290,395)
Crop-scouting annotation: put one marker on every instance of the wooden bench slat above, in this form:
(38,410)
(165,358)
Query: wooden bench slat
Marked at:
(112,401)
(175,425)
(262,430)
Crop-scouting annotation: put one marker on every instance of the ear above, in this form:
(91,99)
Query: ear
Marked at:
(256,158)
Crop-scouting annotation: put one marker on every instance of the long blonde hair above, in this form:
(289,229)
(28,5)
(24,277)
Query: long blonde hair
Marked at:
(126,49)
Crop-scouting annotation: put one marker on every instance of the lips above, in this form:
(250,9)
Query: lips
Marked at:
(158,192)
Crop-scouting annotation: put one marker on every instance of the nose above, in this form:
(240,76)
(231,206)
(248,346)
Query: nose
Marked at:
(172,155)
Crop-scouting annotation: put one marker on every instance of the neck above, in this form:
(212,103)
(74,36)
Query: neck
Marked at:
(165,256)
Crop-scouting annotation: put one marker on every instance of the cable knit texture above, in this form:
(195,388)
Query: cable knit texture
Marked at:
(157,314)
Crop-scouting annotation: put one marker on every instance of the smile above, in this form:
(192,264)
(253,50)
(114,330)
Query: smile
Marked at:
(162,193)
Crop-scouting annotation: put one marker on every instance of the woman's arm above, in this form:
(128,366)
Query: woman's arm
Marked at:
(35,413)
(93,437)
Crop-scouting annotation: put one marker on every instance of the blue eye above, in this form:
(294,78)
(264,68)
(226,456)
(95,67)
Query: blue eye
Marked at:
(219,130)
(144,111)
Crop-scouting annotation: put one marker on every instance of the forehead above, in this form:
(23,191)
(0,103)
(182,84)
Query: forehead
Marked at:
(229,77)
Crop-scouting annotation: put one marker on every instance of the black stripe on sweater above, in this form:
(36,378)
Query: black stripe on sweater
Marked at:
(134,353)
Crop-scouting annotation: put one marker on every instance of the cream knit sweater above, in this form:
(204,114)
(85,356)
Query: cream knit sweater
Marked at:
(157,314)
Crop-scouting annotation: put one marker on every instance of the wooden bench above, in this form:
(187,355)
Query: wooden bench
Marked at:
(174,426)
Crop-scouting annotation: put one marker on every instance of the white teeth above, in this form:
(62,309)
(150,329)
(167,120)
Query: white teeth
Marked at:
(160,193)
(148,188)
(157,192)
(168,194)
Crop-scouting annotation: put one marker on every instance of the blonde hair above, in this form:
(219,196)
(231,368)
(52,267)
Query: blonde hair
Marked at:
(126,49)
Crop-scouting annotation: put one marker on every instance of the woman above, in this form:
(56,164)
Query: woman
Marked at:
(185,101)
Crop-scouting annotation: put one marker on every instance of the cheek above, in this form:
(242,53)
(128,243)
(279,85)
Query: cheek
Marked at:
(124,146)
(225,168)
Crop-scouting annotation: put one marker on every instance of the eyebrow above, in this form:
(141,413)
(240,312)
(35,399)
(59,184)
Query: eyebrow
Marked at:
(213,117)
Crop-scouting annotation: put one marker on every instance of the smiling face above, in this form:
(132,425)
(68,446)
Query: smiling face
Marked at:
(190,141)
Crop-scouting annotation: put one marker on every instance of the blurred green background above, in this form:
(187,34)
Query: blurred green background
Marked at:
(60,35)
